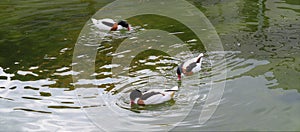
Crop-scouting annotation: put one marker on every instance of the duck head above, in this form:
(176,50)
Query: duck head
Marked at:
(124,24)
(179,73)
(134,96)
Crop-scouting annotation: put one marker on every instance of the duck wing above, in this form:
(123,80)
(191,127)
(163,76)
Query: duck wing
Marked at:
(103,24)
(190,67)
(107,23)
(157,98)
(193,65)
(149,94)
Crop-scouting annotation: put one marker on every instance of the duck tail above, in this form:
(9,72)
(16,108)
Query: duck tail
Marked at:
(200,55)
(175,88)
(200,58)
(172,95)
(94,20)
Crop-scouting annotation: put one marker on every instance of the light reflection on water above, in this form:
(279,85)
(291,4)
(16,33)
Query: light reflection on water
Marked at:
(98,104)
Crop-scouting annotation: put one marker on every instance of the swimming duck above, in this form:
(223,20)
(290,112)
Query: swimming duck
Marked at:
(152,97)
(190,66)
(110,25)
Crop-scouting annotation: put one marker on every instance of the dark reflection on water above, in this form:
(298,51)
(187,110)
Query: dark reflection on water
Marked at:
(30,110)
(37,91)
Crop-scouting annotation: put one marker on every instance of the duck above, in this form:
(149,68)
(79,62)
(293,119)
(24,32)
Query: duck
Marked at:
(152,97)
(110,25)
(190,66)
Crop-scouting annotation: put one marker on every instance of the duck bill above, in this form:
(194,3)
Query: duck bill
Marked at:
(131,102)
(179,77)
(128,28)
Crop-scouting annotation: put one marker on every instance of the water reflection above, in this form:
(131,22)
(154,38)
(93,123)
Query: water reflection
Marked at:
(38,98)
(40,107)
(117,103)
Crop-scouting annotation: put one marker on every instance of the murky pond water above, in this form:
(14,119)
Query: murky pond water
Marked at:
(41,88)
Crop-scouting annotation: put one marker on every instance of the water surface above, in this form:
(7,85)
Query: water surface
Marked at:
(261,43)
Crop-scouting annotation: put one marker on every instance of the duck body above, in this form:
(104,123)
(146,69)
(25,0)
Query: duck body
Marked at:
(152,97)
(110,25)
(190,66)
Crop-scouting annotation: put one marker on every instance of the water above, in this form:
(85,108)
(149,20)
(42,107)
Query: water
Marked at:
(37,91)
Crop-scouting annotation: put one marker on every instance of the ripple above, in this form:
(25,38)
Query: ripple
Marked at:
(33,88)
(32,98)
(64,107)
(30,110)
(165,115)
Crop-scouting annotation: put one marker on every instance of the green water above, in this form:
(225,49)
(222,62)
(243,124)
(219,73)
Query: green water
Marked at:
(261,45)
